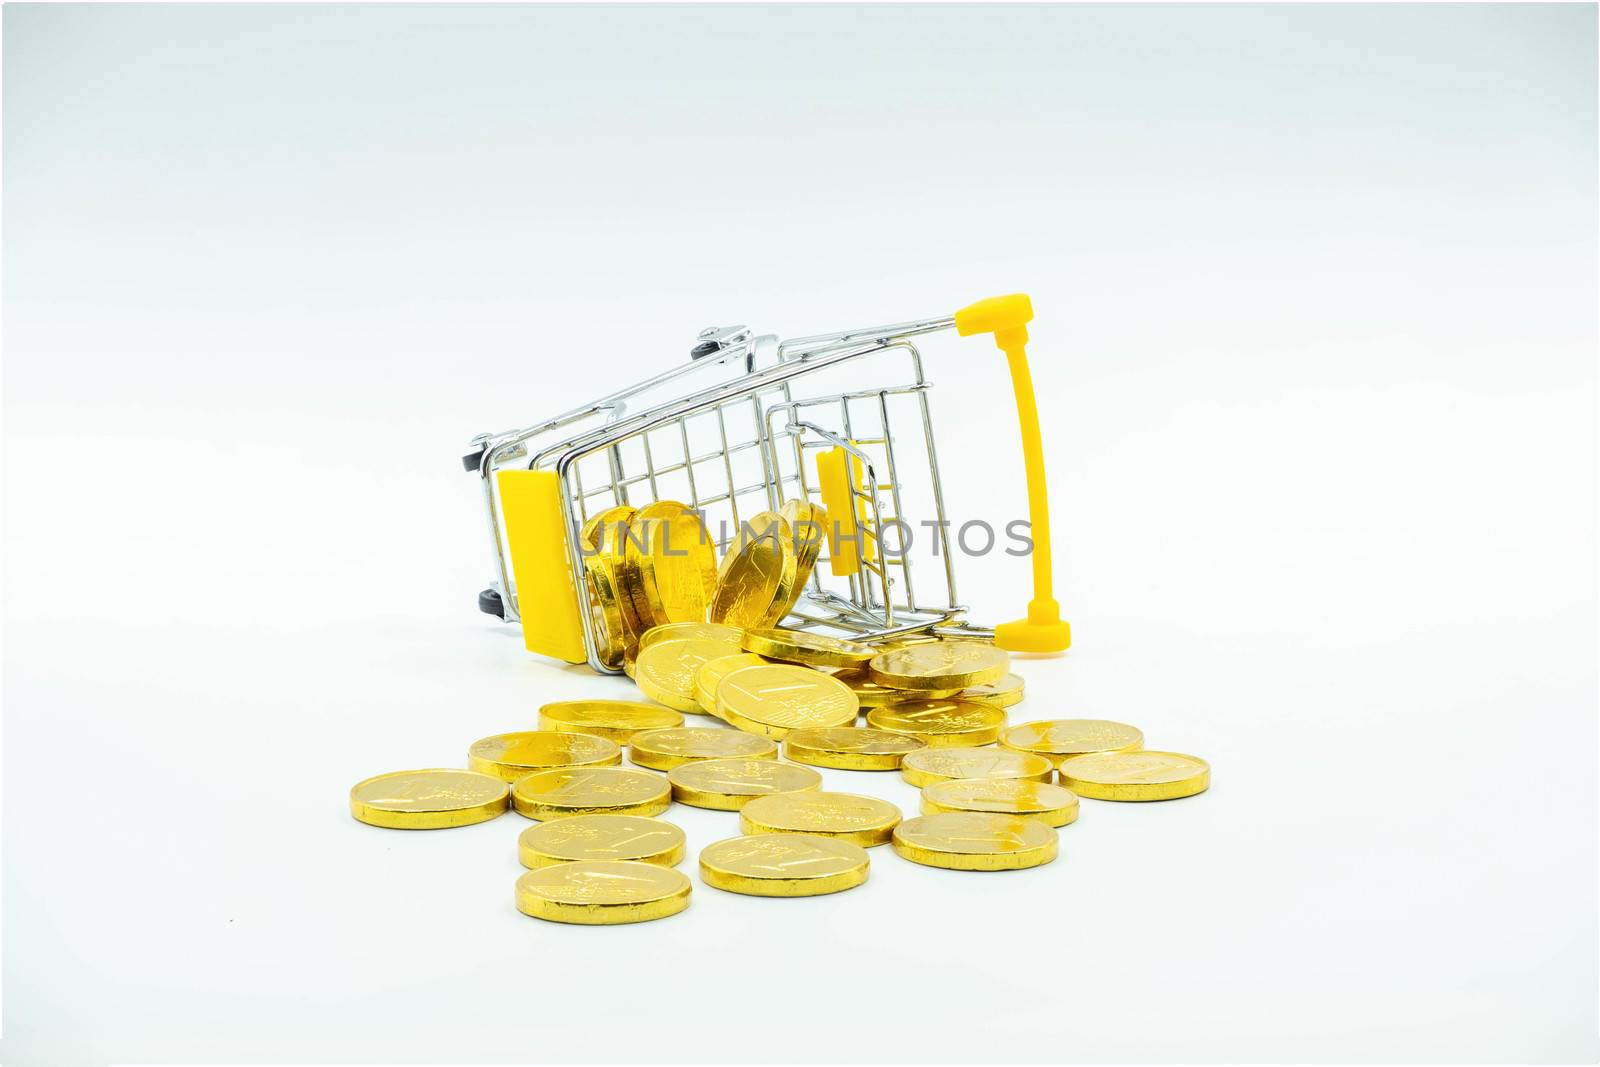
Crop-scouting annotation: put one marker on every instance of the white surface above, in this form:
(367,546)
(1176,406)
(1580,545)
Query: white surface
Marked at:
(1316,327)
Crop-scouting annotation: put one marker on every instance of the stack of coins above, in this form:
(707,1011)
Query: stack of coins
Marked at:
(701,638)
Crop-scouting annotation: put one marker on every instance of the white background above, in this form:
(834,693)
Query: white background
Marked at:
(1315,343)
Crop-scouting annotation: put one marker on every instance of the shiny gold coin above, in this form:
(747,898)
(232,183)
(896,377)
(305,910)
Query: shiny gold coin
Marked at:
(630,656)
(615,720)
(730,784)
(431,799)
(976,841)
(808,522)
(663,750)
(870,694)
(510,756)
(669,564)
(590,791)
(800,646)
(866,821)
(775,698)
(711,673)
(1002,693)
(1059,739)
(756,581)
(601,837)
(603,892)
(940,665)
(932,765)
(1143,775)
(665,671)
(603,538)
(850,748)
(784,865)
(682,631)
(1004,796)
(941,723)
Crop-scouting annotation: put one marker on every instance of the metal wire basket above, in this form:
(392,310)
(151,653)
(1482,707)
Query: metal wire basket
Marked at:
(750,421)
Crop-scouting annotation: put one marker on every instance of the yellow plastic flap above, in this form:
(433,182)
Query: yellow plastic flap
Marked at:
(547,596)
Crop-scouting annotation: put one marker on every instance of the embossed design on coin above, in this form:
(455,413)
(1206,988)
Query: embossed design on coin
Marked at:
(1059,739)
(615,720)
(663,750)
(708,679)
(784,865)
(940,665)
(602,892)
(775,698)
(510,756)
(802,646)
(730,784)
(1143,775)
(590,790)
(866,821)
(429,799)
(757,576)
(665,671)
(600,837)
(976,841)
(942,764)
(850,748)
(941,723)
(1005,796)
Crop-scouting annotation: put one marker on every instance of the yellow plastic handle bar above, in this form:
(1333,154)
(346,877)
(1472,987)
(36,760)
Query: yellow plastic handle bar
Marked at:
(1007,317)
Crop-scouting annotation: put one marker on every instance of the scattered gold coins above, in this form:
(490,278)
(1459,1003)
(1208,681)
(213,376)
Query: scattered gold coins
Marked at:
(601,837)
(1004,796)
(669,564)
(1002,693)
(589,791)
(510,756)
(1141,775)
(976,841)
(663,750)
(942,665)
(870,694)
(941,723)
(932,765)
(709,677)
(730,784)
(615,720)
(756,582)
(850,748)
(775,698)
(665,671)
(784,865)
(800,646)
(683,631)
(430,799)
(864,820)
(602,892)
(1060,739)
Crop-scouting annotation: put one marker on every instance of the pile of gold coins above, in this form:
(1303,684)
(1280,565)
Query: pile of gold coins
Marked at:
(780,702)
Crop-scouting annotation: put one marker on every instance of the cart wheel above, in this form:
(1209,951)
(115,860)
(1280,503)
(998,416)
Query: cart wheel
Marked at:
(704,349)
(489,603)
(473,460)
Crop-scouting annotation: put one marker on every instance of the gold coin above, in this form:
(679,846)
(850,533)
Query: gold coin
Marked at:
(431,799)
(941,723)
(600,837)
(1002,693)
(615,720)
(1059,739)
(730,784)
(850,748)
(976,841)
(711,673)
(669,564)
(590,791)
(510,756)
(630,656)
(940,665)
(870,694)
(665,671)
(1004,796)
(663,750)
(784,865)
(757,576)
(1141,775)
(808,523)
(775,698)
(602,892)
(944,764)
(800,646)
(681,631)
(866,821)
(603,538)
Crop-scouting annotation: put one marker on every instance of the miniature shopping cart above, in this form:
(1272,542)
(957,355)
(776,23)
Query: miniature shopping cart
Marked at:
(750,421)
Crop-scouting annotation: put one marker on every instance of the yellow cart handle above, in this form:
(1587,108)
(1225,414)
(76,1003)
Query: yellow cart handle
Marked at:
(1007,317)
